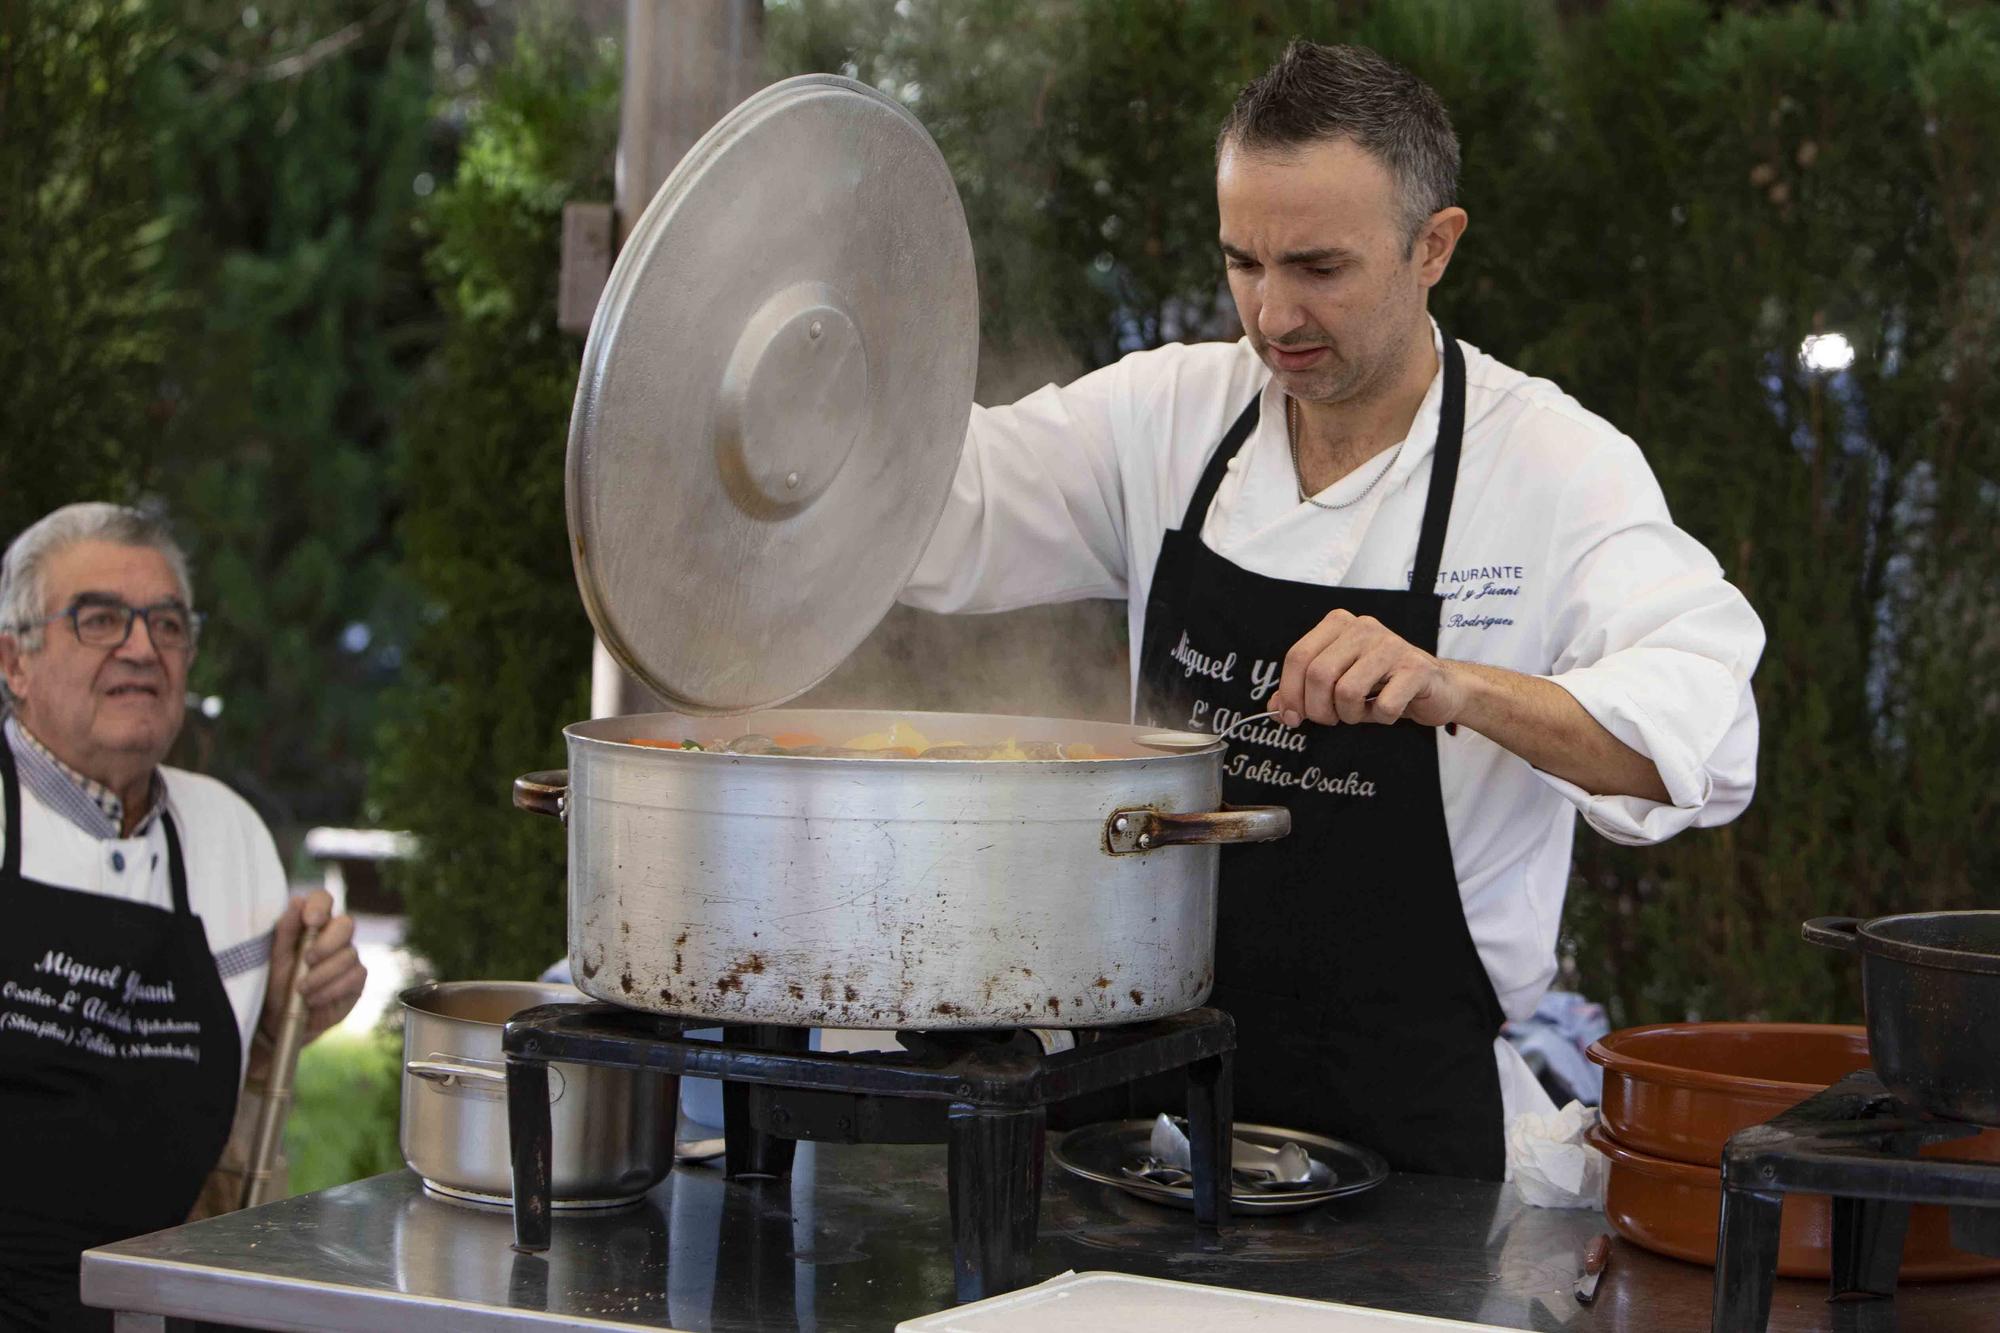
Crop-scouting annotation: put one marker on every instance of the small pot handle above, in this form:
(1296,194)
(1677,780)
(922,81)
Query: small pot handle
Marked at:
(471,1079)
(1833,932)
(543,793)
(1131,831)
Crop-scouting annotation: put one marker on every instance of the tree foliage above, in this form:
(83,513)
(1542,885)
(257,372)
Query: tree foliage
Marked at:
(1667,198)
(83,294)
(290,135)
(500,662)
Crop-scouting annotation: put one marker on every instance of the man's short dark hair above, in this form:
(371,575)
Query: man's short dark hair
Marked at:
(1318,92)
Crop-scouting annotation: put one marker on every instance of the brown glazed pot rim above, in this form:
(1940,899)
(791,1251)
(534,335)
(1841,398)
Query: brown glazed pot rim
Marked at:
(1606,1051)
(1645,1164)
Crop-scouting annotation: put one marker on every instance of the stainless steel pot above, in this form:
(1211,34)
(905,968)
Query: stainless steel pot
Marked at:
(892,893)
(614,1128)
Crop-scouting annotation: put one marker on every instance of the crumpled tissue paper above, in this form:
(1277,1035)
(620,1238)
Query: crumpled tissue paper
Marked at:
(1551,1164)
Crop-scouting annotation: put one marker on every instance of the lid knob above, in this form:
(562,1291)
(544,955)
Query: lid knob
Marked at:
(792,401)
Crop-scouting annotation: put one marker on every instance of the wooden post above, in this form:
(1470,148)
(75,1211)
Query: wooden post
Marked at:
(687,63)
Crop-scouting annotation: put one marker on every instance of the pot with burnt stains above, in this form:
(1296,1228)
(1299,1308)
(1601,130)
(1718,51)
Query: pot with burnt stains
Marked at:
(886,891)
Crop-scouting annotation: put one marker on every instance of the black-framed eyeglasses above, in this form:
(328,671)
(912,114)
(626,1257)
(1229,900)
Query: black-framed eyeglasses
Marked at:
(106,622)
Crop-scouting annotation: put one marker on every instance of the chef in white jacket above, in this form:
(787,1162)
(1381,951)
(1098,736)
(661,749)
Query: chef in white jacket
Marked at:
(1459,591)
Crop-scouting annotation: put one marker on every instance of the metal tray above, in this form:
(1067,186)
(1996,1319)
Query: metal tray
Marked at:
(1099,1152)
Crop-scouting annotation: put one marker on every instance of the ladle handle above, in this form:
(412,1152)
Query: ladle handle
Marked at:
(1229,730)
(543,793)
(259,1171)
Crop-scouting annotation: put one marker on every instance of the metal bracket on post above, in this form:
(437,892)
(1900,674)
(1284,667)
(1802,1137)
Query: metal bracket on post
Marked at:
(586,264)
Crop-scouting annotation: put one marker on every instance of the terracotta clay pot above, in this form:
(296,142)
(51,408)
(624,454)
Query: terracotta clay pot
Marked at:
(1679,1090)
(1673,1208)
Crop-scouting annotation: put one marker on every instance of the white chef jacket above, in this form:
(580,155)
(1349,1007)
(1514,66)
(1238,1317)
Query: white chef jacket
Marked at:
(235,882)
(1560,561)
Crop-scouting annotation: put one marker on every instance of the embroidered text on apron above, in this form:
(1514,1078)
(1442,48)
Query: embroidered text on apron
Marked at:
(1362,1008)
(119,1065)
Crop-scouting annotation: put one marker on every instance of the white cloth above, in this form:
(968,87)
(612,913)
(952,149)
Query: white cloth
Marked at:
(235,882)
(1550,1162)
(1560,561)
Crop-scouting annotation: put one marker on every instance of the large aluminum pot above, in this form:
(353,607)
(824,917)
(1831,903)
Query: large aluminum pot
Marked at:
(1931,982)
(614,1128)
(892,893)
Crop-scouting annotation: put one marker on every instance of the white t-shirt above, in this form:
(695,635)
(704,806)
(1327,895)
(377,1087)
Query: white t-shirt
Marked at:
(1560,561)
(235,882)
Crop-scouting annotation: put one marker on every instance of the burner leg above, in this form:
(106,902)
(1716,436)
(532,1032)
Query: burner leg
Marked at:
(1746,1260)
(529,1137)
(1211,1123)
(1867,1247)
(1976,1229)
(995,1173)
(748,1150)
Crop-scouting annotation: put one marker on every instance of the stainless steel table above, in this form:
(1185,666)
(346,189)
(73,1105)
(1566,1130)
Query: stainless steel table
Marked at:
(857,1239)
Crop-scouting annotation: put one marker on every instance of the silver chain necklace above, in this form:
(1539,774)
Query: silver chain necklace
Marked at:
(1299,476)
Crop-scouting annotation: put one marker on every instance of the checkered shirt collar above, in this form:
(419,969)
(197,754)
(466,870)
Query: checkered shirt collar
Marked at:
(84,802)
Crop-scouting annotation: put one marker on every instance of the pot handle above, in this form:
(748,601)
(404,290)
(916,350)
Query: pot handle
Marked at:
(543,793)
(1833,932)
(1142,830)
(473,1080)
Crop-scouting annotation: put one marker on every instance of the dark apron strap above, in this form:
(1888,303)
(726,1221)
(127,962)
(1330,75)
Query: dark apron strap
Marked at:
(10,858)
(1444,470)
(176,869)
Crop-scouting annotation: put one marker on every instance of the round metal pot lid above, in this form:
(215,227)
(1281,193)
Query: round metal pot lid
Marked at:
(774,397)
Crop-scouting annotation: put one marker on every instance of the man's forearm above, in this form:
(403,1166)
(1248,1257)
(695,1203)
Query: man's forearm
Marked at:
(1545,725)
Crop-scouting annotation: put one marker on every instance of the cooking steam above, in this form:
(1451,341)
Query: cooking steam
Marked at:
(1064,661)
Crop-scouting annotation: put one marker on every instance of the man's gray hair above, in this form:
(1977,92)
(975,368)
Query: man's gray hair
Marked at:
(24,569)
(1318,92)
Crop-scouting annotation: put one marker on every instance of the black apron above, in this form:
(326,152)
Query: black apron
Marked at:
(1362,1008)
(119,1066)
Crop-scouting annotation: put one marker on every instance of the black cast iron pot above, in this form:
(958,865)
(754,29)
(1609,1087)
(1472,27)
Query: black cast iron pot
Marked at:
(1931,981)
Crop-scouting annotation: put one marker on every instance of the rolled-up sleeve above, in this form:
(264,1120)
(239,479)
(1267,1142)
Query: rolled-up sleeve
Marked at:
(1657,646)
(1035,513)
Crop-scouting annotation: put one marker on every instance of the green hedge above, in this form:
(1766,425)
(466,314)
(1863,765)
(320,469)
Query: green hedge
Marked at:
(290,138)
(83,291)
(501,661)
(347,1100)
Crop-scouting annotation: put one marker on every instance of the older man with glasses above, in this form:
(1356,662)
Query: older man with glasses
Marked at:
(144,908)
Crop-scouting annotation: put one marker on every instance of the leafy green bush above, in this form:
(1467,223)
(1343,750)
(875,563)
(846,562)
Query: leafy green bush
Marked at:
(346,1100)
(1777,175)
(289,139)
(83,292)
(501,661)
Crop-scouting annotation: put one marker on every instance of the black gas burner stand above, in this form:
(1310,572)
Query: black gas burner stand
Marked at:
(985,1094)
(1859,1144)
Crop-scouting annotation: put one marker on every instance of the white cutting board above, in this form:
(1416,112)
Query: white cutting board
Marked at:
(1117,1303)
